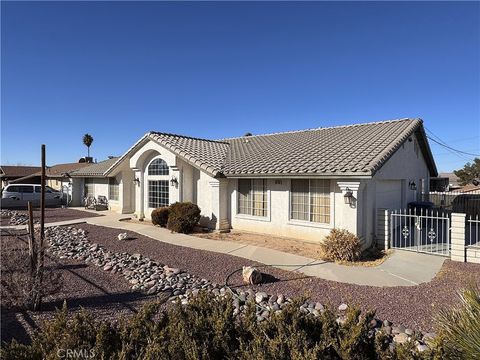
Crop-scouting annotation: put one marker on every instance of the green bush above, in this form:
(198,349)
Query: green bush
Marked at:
(341,245)
(459,328)
(207,329)
(183,217)
(160,216)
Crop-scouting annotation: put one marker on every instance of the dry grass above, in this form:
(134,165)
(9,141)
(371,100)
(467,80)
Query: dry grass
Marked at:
(293,246)
(370,258)
(287,245)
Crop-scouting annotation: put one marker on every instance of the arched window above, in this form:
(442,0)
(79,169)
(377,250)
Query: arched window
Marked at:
(158,167)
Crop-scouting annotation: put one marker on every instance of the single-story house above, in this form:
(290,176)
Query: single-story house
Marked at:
(57,176)
(298,184)
(10,172)
(116,186)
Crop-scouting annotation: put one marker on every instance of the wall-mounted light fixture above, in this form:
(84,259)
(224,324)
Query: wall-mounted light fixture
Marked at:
(136,181)
(412,185)
(348,197)
(173,181)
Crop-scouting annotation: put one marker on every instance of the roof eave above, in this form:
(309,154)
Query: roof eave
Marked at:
(329,175)
(122,158)
(210,170)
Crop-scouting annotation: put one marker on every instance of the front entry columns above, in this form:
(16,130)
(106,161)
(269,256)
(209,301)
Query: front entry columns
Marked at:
(348,215)
(139,185)
(219,203)
(176,190)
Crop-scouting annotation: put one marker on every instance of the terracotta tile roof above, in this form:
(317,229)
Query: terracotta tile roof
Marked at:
(343,150)
(97,169)
(54,171)
(206,154)
(60,169)
(10,171)
(354,150)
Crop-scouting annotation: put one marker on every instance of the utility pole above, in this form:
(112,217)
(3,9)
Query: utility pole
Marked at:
(41,249)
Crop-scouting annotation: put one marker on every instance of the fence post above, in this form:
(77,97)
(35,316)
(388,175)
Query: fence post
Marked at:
(458,237)
(383,230)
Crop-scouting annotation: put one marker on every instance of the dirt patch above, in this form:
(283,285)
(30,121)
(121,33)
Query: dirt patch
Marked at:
(287,245)
(371,257)
(54,215)
(411,306)
(107,295)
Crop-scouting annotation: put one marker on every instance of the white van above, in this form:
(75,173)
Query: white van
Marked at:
(18,195)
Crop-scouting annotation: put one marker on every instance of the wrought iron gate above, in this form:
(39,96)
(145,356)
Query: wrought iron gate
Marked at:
(427,231)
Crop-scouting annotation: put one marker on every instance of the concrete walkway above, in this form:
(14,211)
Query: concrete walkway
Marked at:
(402,268)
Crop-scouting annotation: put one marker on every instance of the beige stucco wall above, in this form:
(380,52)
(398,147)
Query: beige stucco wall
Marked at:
(278,220)
(390,183)
(126,202)
(194,184)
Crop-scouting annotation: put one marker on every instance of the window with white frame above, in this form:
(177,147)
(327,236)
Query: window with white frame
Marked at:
(252,197)
(113,189)
(158,167)
(158,193)
(310,200)
(89,187)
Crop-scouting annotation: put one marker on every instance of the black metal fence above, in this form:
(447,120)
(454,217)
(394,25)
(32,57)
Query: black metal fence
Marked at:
(459,202)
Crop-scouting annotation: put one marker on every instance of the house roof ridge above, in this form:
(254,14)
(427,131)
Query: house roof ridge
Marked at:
(322,128)
(185,137)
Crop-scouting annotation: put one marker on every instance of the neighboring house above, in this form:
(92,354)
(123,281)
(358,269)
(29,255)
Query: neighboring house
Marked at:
(10,172)
(57,176)
(93,180)
(453,180)
(469,188)
(297,184)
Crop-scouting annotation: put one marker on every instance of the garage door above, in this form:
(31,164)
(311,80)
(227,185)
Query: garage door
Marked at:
(389,194)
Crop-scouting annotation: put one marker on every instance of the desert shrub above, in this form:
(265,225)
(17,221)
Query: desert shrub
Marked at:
(160,216)
(459,328)
(183,217)
(341,245)
(207,329)
(18,280)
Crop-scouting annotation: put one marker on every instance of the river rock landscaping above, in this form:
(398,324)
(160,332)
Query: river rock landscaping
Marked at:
(20,217)
(15,217)
(153,277)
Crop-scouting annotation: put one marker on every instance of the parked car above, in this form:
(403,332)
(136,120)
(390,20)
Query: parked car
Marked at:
(18,195)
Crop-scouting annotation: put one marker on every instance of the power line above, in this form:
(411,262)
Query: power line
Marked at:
(453,149)
(461,154)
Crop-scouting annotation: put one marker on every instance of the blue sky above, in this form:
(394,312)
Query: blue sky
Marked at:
(213,70)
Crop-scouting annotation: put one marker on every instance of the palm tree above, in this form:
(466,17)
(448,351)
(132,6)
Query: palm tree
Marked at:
(87,141)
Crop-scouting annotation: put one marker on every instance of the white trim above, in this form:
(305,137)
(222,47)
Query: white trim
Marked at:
(329,225)
(352,185)
(313,224)
(267,218)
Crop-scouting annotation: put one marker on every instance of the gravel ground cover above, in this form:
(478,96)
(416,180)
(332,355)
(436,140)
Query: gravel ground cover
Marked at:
(51,215)
(108,295)
(412,307)
(104,261)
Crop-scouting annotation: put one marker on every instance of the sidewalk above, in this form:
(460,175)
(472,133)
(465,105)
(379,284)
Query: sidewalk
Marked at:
(402,268)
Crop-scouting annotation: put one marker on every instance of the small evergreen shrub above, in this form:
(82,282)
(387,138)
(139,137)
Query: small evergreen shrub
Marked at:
(459,328)
(183,217)
(341,245)
(160,216)
(207,329)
